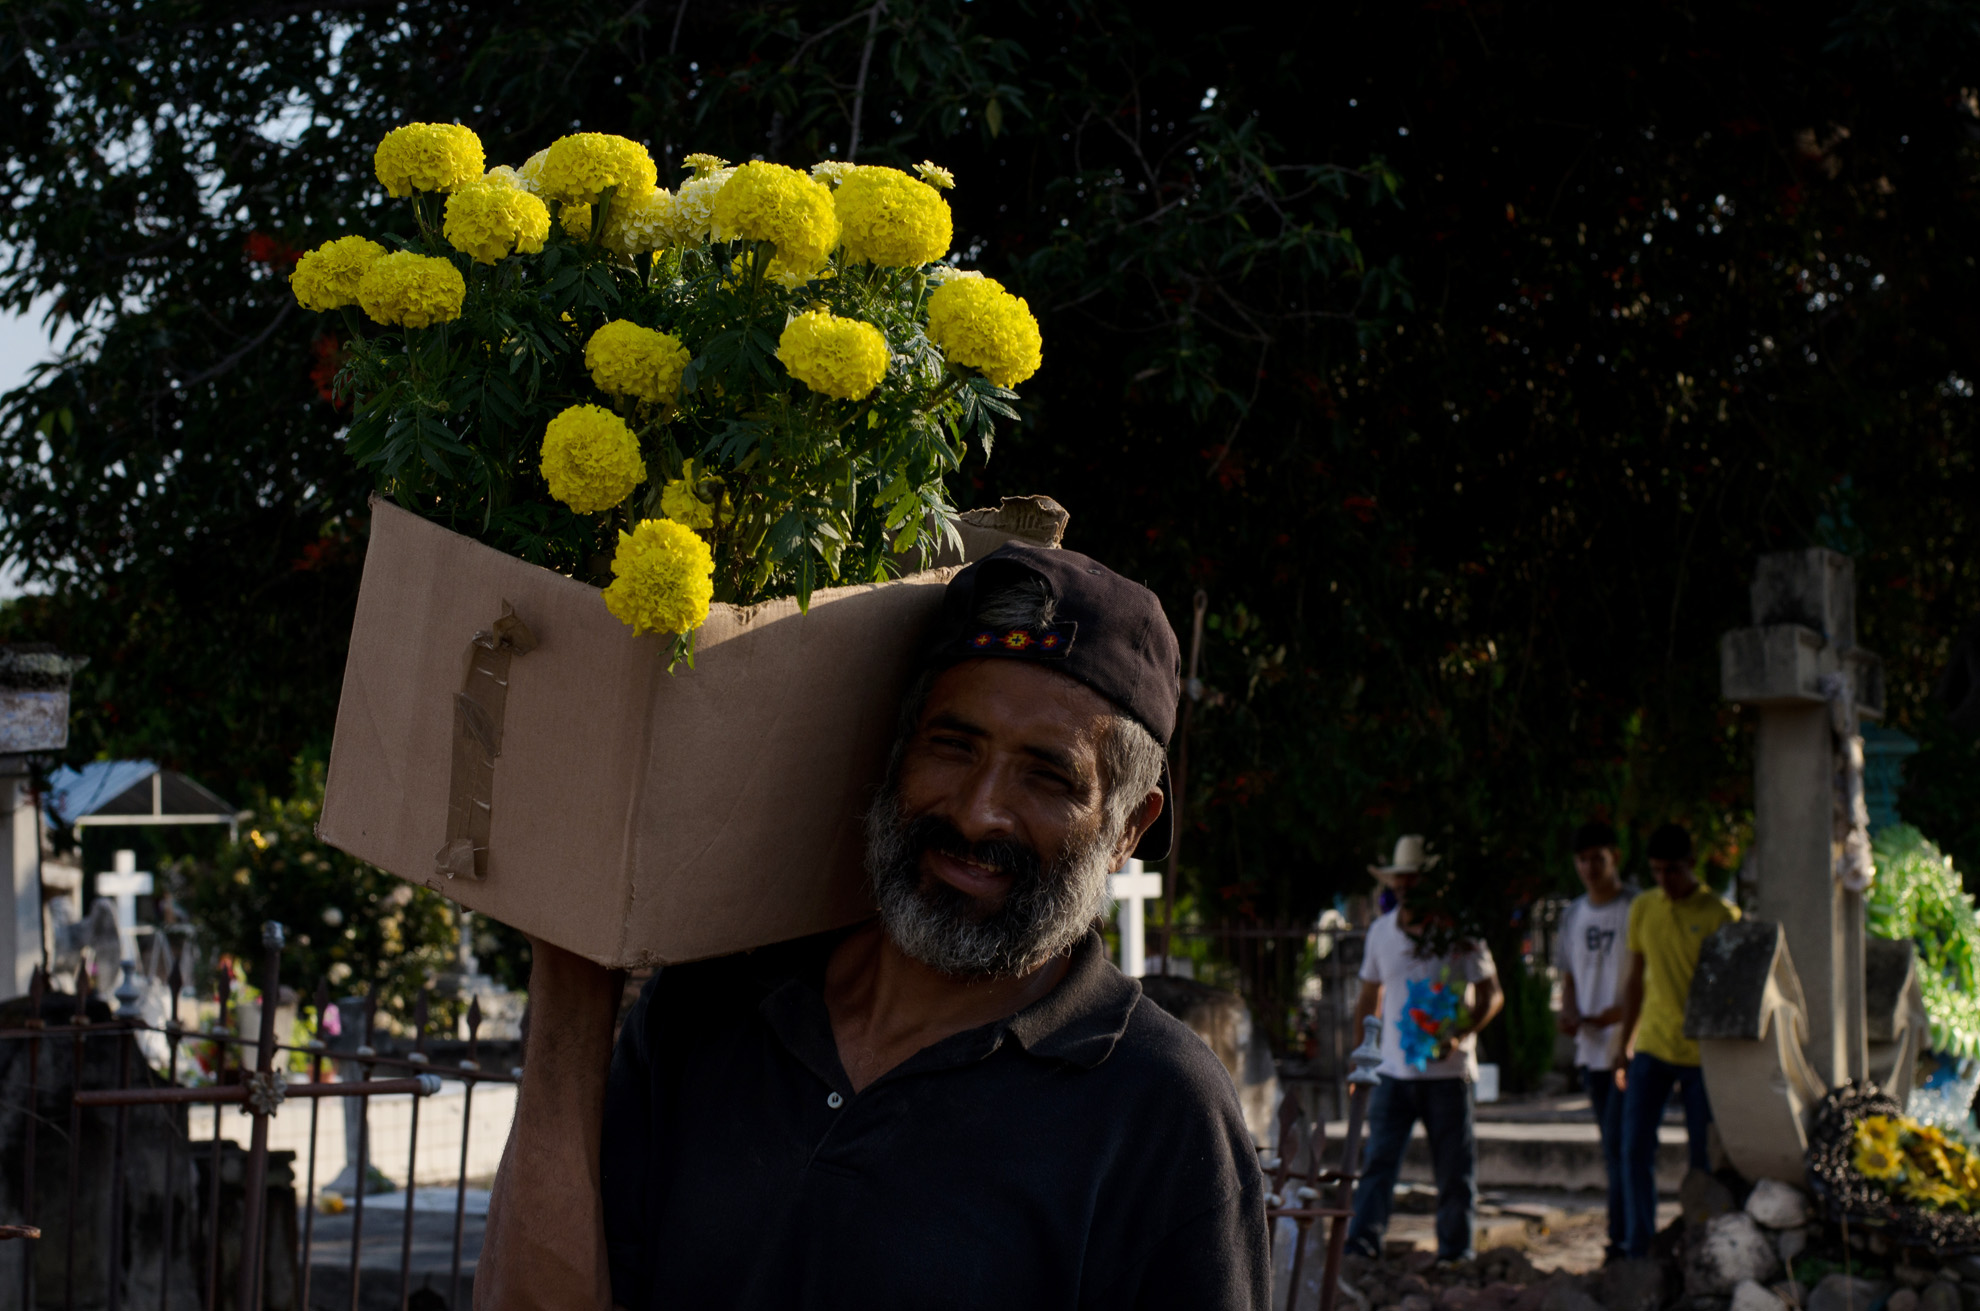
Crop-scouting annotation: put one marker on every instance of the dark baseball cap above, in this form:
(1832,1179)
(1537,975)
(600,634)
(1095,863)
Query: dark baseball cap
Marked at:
(1106,632)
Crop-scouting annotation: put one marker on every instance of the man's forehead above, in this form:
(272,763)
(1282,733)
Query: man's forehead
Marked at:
(1012,696)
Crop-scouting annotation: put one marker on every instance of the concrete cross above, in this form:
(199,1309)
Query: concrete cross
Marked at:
(126,883)
(1132,890)
(1800,667)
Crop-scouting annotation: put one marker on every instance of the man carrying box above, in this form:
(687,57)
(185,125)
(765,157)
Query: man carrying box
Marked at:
(960,1102)
(1667,928)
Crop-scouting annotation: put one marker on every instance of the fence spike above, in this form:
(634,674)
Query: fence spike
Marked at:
(474,1023)
(421,1015)
(322,1004)
(82,994)
(370,1013)
(37,987)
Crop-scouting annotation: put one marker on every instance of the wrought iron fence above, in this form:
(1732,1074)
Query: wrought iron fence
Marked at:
(250,1073)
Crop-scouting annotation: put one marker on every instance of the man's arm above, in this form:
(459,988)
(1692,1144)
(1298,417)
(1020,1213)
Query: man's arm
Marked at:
(1488,1000)
(1632,1011)
(1570,1017)
(544,1245)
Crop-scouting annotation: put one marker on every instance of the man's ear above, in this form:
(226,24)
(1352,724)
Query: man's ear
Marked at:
(1138,823)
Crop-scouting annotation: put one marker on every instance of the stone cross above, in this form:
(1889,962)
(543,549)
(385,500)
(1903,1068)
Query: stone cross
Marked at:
(126,883)
(1133,889)
(1800,667)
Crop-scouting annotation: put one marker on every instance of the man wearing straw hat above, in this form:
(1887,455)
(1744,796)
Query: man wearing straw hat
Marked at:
(1432,1004)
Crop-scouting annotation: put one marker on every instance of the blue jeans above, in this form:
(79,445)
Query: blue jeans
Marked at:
(1444,1106)
(1650,1084)
(1607,1104)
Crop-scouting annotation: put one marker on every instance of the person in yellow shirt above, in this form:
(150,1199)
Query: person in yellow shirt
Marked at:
(1666,930)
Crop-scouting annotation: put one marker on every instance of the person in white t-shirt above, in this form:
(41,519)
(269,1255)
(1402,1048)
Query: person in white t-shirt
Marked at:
(1593,941)
(1421,1079)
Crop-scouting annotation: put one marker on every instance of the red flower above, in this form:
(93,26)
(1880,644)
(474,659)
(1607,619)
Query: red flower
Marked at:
(264,249)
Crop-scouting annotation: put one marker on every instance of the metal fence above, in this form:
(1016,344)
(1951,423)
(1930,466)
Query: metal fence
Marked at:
(250,1073)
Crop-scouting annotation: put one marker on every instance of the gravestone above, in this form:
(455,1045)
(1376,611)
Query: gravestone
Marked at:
(1800,667)
(1132,889)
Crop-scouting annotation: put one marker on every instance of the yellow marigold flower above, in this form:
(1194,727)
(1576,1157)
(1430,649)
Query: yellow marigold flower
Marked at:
(532,169)
(591,459)
(980,324)
(785,275)
(575,220)
(693,497)
(704,164)
(640,224)
(628,360)
(845,358)
(427,157)
(412,291)
(942,273)
(581,166)
(935,175)
(769,202)
(327,278)
(888,218)
(694,207)
(490,219)
(506,176)
(831,171)
(663,578)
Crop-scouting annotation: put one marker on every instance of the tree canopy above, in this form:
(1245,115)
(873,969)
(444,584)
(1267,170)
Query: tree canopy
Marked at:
(1462,356)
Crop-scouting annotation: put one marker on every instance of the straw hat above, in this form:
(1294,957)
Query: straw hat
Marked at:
(1410,858)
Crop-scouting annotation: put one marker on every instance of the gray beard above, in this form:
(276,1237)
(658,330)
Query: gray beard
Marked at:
(1048,909)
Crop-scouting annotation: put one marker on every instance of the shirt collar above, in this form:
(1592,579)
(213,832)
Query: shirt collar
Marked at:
(1078,1022)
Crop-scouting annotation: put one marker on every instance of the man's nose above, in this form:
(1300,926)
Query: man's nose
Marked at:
(982,809)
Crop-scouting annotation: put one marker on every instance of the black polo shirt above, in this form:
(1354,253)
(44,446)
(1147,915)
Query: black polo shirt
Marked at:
(1086,1152)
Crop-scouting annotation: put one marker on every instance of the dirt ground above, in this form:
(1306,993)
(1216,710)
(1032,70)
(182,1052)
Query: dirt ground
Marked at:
(1557,1231)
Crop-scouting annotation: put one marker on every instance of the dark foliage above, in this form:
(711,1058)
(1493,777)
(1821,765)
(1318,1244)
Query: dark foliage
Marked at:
(1464,356)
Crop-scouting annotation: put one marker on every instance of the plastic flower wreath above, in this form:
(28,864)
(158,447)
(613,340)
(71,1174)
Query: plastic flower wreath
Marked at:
(1433,1012)
(1917,1163)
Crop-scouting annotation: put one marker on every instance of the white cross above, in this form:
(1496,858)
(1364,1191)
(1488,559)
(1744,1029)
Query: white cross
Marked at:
(1132,889)
(126,883)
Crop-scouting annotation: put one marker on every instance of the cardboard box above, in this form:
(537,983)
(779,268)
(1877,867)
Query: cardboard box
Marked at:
(634,817)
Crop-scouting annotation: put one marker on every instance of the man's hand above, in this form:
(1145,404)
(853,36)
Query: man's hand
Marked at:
(1568,1021)
(544,1245)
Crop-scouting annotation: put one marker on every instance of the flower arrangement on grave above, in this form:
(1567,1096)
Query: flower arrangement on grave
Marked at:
(1917,1163)
(747,387)
(1433,1014)
(1920,897)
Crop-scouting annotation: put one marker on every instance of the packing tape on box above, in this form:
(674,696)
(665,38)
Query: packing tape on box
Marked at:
(478,711)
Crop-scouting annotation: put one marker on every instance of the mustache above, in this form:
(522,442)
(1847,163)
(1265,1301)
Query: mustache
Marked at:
(1008,856)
